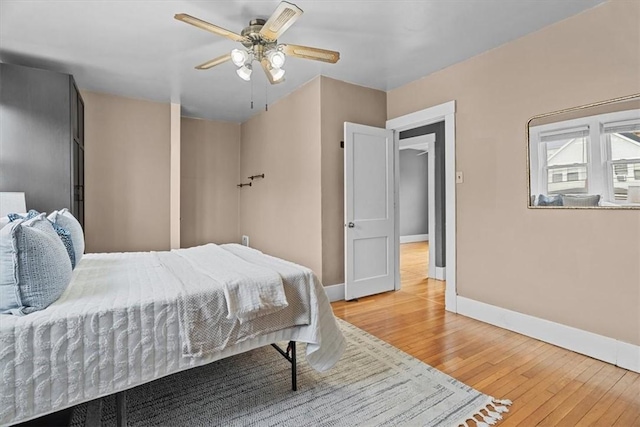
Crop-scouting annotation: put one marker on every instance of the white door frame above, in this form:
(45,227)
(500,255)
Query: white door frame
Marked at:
(434,272)
(424,117)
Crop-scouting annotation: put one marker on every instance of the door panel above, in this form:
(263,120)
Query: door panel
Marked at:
(369,177)
(370,258)
(369,212)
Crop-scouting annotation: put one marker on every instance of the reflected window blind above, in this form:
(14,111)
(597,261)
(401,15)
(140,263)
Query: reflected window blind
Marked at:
(625,126)
(564,134)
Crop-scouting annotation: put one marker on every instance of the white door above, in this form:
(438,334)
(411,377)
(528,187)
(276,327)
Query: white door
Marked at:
(369,211)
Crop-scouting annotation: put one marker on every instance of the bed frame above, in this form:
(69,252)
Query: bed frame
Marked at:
(94,409)
(290,355)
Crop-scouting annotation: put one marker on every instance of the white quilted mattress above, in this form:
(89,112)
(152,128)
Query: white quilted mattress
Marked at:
(115,327)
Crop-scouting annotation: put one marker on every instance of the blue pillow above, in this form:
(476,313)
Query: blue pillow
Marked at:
(63,233)
(550,200)
(34,266)
(582,200)
(31,214)
(66,220)
(65,237)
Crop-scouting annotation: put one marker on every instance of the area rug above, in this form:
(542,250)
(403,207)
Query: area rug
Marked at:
(372,384)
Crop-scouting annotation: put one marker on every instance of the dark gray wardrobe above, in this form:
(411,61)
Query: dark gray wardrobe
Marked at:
(42,138)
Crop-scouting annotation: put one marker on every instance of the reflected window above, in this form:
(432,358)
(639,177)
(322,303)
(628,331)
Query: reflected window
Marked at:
(566,154)
(587,156)
(623,139)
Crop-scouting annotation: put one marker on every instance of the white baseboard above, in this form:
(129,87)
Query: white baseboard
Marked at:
(599,347)
(414,238)
(628,356)
(335,292)
(439,273)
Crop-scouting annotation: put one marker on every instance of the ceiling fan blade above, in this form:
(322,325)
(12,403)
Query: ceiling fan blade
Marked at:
(282,18)
(217,61)
(210,27)
(311,53)
(267,70)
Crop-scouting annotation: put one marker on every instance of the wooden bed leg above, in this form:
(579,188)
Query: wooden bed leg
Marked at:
(121,409)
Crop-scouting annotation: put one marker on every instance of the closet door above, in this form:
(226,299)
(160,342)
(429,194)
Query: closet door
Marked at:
(35,135)
(77,148)
(81,159)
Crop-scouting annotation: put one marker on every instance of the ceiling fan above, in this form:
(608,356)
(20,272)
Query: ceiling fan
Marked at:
(260,41)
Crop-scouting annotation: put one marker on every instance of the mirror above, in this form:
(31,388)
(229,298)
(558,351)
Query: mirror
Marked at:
(586,157)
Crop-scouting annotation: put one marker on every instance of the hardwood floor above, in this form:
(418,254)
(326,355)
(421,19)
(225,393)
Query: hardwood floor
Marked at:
(549,386)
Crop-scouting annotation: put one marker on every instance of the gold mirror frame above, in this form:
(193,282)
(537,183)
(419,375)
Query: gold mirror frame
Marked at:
(528,152)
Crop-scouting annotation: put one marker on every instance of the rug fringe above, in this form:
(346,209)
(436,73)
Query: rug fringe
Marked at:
(492,416)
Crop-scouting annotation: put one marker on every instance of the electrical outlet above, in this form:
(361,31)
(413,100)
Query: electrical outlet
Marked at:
(245,240)
(459,177)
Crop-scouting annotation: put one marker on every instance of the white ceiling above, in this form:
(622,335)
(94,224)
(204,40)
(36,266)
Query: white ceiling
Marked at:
(136,48)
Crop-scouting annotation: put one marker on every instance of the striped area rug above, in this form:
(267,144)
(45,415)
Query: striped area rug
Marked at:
(373,384)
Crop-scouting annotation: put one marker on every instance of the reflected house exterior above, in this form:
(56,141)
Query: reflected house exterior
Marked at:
(567,166)
(567,162)
(625,152)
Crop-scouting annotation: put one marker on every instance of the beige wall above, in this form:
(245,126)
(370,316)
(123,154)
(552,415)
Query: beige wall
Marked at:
(579,268)
(127,149)
(210,171)
(281,213)
(341,102)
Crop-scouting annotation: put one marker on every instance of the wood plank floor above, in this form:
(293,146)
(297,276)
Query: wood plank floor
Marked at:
(549,386)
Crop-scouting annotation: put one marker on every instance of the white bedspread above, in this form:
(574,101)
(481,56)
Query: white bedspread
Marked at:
(117,326)
(205,326)
(250,290)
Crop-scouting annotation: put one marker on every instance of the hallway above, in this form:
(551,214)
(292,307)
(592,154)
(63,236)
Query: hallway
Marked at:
(414,266)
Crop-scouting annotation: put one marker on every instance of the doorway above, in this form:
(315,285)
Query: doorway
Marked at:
(372,226)
(422,239)
(417,206)
(431,192)
(442,116)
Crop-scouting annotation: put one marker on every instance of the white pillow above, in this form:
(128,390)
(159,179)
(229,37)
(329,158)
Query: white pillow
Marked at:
(66,220)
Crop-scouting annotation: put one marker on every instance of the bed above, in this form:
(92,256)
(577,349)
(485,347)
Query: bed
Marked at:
(121,323)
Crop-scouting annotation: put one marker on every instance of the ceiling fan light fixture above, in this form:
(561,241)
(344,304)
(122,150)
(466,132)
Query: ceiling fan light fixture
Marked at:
(276,58)
(277,74)
(245,72)
(260,43)
(239,57)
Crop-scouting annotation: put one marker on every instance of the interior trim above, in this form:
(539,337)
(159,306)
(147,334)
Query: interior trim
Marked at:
(335,292)
(610,350)
(175,178)
(411,238)
(443,112)
(440,273)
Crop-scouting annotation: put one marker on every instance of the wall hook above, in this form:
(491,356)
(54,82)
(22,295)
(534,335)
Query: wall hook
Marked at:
(244,185)
(252,177)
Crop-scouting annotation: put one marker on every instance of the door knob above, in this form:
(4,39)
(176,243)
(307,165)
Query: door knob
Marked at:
(351,225)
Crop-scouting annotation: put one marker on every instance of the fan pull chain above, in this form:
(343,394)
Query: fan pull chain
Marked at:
(266,97)
(252,94)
